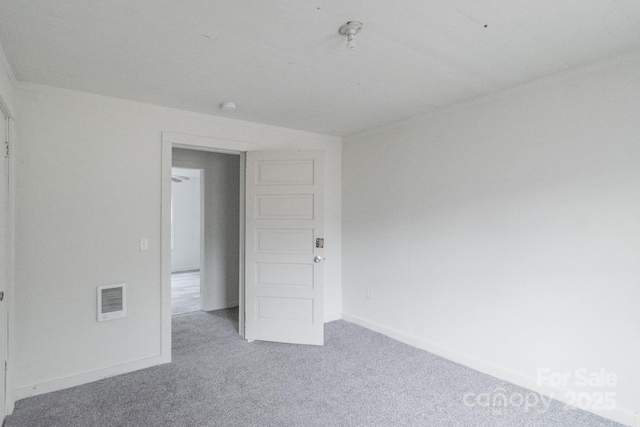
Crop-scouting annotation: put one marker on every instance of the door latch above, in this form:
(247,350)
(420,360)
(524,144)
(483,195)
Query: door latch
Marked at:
(1,296)
(319,243)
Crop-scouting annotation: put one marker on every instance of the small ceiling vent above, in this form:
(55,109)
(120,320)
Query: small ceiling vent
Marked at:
(111,301)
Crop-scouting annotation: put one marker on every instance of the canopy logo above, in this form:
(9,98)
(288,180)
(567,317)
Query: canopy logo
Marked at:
(499,401)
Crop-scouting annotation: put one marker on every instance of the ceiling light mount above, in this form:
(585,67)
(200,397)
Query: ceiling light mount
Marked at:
(350,29)
(228,107)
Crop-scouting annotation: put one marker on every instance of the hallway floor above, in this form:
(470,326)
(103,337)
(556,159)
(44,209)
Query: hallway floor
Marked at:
(185,292)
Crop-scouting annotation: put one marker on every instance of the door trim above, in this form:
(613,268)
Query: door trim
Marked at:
(10,257)
(190,142)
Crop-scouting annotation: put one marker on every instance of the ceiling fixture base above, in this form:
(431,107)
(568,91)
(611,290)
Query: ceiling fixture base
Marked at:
(350,29)
(228,107)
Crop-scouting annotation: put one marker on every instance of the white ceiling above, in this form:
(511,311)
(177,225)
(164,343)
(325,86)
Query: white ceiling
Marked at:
(284,63)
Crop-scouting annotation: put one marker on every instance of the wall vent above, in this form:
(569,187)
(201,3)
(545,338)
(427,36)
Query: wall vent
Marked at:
(112,301)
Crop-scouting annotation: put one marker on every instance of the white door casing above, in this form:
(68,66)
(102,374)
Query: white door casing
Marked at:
(284,261)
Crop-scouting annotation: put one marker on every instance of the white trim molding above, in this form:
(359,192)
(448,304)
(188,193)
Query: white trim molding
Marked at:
(84,378)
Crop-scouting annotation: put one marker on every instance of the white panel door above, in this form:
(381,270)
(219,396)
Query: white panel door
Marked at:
(284,262)
(4,259)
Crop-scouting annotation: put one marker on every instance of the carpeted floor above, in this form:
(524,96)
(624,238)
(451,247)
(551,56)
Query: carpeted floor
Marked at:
(358,378)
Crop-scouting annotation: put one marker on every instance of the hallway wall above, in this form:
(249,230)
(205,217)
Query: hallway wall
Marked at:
(185,221)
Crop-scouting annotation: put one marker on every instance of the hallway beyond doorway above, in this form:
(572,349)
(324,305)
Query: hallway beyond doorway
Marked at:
(185,292)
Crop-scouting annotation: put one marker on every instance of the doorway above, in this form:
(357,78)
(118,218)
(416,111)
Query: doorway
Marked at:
(205,239)
(196,146)
(302,168)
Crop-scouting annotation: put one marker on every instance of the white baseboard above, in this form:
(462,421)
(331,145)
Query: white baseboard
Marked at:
(84,378)
(619,415)
(222,306)
(185,269)
(330,317)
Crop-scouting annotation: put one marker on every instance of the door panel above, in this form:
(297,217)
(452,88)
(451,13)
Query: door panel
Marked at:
(284,217)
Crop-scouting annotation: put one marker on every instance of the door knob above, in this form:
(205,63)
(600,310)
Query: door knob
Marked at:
(318,258)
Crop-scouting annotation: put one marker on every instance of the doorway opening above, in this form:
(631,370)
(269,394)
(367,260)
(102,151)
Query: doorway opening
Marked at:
(186,239)
(190,152)
(205,230)
(284,284)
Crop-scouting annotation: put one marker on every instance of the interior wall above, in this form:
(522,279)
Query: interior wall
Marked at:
(88,189)
(220,275)
(505,233)
(185,223)
(6,84)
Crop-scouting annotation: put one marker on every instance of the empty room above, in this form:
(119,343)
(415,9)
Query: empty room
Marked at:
(413,213)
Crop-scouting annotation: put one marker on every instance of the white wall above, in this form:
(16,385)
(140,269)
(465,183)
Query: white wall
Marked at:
(505,233)
(220,274)
(185,221)
(89,187)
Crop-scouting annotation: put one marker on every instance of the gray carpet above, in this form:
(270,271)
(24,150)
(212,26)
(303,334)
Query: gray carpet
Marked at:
(359,378)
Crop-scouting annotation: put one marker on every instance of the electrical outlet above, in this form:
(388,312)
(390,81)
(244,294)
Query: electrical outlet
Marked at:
(369,293)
